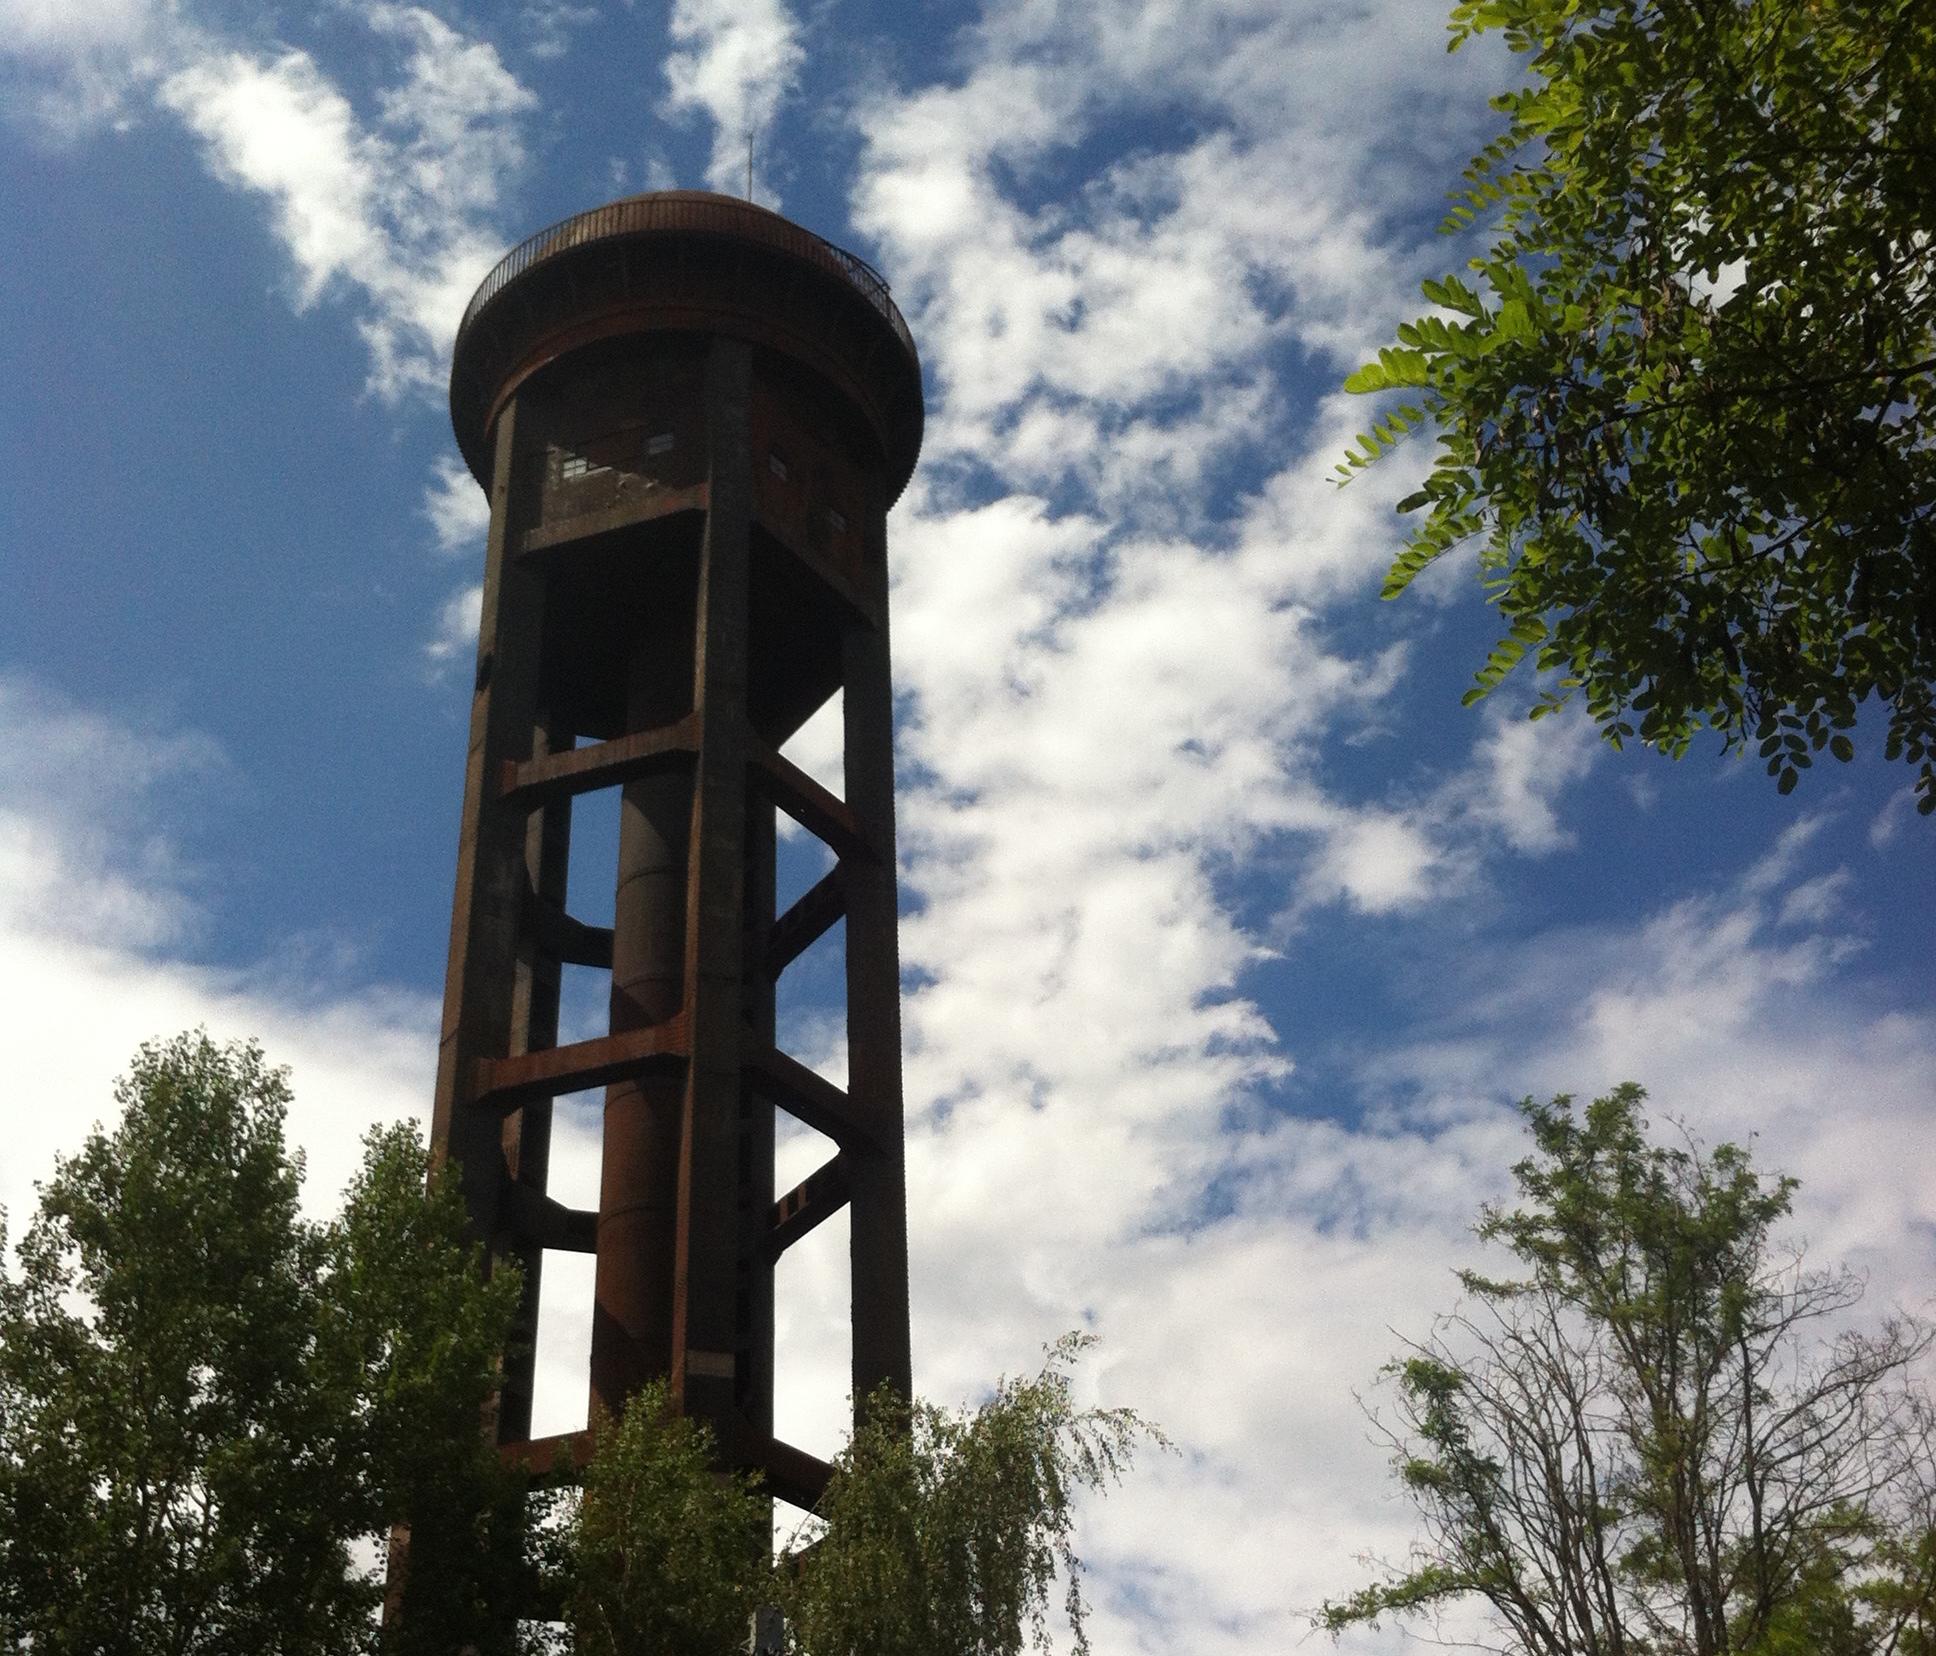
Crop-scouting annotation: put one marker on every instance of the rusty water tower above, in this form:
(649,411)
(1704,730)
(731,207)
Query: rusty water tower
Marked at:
(691,417)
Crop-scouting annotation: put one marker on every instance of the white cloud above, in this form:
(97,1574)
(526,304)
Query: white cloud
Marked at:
(1890,820)
(1815,902)
(456,632)
(283,130)
(97,908)
(1117,658)
(549,24)
(459,511)
(46,26)
(1525,767)
(395,203)
(1118,701)
(1248,1267)
(76,858)
(1150,292)
(735,64)
(395,209)
(391,209)
(1737,1015)
(1376,861)
(67,70)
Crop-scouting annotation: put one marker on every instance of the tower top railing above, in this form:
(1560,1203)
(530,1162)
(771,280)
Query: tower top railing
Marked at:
(690,212)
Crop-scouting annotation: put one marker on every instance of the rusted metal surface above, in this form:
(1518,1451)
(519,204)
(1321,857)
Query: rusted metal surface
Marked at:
(812,915)
(876,1165)
(638,1199)
(604,764)
(813,1201)
(692,417)
(810,805)
(507,1083)
(689,213)
(688,262)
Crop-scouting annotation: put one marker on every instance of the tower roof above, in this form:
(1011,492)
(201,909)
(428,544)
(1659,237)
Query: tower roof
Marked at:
(687,261)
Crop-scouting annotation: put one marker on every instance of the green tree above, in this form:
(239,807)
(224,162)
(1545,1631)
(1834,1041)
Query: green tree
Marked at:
(940,1534)
(207,1401)
(665,1556)
(946,1531)
(1683,400)
(1661,1438)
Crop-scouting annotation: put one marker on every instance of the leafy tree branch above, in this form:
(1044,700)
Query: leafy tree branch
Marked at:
(1682,402)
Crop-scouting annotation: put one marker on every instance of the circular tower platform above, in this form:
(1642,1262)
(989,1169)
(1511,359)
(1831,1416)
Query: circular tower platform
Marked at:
(691,262)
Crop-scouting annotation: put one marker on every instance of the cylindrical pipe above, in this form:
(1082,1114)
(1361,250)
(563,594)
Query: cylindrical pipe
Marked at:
(638,1183)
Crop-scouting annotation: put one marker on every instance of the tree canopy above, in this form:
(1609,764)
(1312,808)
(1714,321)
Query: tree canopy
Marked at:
(1683,400)
(1662,1436)
(212,1410)
(219,1420)
(662,1555)
(947,1530)
(941,1533)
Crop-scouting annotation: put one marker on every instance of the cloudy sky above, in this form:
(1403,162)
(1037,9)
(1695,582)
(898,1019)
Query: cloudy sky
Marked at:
(1230,936)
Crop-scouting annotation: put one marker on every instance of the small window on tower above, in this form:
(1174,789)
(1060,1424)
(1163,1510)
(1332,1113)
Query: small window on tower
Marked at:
(777,466)
(575,466)
(660,443)
(836,522)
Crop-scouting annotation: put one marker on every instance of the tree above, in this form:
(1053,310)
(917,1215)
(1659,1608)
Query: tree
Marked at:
(940,1534)
(1661,1438)
(664,1556)
(1684,401)
(207,1401)
(946,1531)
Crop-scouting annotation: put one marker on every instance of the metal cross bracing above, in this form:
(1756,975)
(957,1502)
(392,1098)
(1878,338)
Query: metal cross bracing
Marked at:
(691,427)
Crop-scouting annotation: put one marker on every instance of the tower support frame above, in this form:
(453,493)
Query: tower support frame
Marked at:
(691,418)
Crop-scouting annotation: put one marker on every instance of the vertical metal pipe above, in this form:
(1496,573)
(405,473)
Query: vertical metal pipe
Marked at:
(705,1339)
(638,1198)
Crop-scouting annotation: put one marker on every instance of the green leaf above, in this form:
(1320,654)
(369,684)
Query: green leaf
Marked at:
(1709,498)
(1394,368)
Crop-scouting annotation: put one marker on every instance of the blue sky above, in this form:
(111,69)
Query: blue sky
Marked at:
(1230,934)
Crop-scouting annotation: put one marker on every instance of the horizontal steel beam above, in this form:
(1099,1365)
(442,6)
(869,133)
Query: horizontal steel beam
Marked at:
(554,1459)
(602,765)
(793,1474)
(646,506)
(505,1083)
(568,939)
(548,1223)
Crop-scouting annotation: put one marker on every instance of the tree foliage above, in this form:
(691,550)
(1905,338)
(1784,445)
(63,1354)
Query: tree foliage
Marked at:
(207,1401)
(940,1534)
(216,1415)
(1683,401)
(1661,1438)
(665,1556)
(946,1531)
